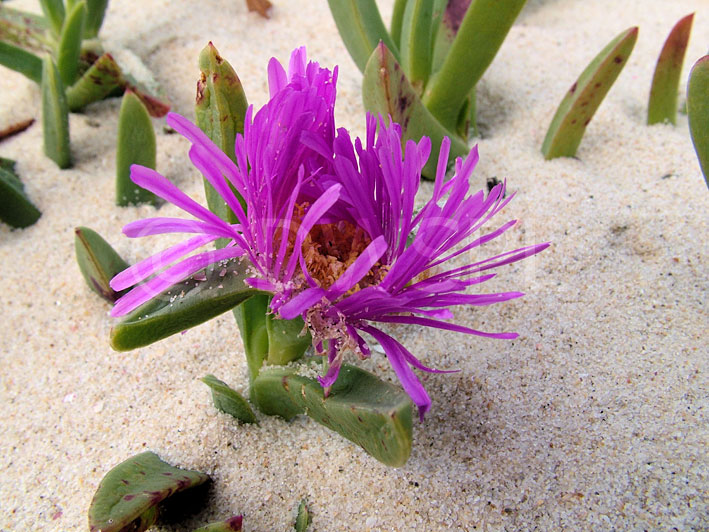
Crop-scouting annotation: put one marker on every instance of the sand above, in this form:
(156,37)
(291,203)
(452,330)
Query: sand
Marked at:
(594,419)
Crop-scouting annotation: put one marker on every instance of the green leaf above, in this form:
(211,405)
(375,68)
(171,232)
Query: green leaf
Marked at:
(22,61)
(101,80)
(54,12)
(96,10)
(128,495)
(397,20)
(16,209)
(662,106)
(386,90)
(200,298)
(136,145)
(26,30)
(302,522)
(287,340)
(233,524)
(98,262)
(698,112)
(585,95)
(416,42)
(367,411)
(229,401)
(220,109)
(481,33)
(361,28)
(251,318)
(69,47)
(55,115)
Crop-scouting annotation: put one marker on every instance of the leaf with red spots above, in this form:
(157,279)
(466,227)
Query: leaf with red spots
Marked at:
(128,495)
(233,524)
(585,95)
(662,106)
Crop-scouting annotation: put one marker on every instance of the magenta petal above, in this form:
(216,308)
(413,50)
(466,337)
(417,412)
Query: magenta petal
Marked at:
(300,303)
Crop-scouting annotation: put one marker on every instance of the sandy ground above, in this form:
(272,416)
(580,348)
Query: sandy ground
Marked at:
(594,419)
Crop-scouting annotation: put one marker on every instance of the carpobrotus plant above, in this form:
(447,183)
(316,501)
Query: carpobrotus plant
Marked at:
(61,52)
(322,244)
(423,72)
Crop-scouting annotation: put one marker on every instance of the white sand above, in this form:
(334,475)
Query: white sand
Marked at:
(595,419)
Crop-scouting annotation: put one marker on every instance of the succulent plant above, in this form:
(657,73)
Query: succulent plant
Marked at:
(98,262)
(303,519)
(424,71)
(16,209)
(698,112)
(129,494)
(662,105)
(229,401)
(233,524)
(583,98)
(60,51)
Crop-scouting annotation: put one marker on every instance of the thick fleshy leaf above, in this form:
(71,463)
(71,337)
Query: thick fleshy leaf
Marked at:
(135,145)
(101,80)
(220,109)
(698,112)
(287,340)
(233,524)
(229,401)
(397,20)
(662,106)
(69,47)
(54,12)
(55,115)
(22,61)
(96,10)
(367,411)
(361,28)
(446,26)
(98,262)
(585,95)
(386,90)
(16,209)
(29,31)
(415,43)
(128,495)
(251,318)
(200,298)
(303,520)
(479,37)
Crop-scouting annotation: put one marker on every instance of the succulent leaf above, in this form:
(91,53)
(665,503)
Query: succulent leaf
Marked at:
(101,80)
(448,18)
(16,209)
(397,20)
(479,37)
(367,411)
(251,318)
(387,91)
(55,115)
(361,28)
(585,95)
(96,10)
(287,340)
(416,42)
(128,495)
(698,112)
(662,106)
(303,520)
(22,61)
(135,145)
(229,401)
(184,305)
(98,262)
(69,48)
(233,524)
(54,12)
(29,31)
(220,109)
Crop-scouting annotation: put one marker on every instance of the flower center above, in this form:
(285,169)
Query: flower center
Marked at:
(330,249)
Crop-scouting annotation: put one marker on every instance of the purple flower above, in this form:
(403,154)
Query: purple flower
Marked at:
(329,226)
(393,281)
(275,169)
